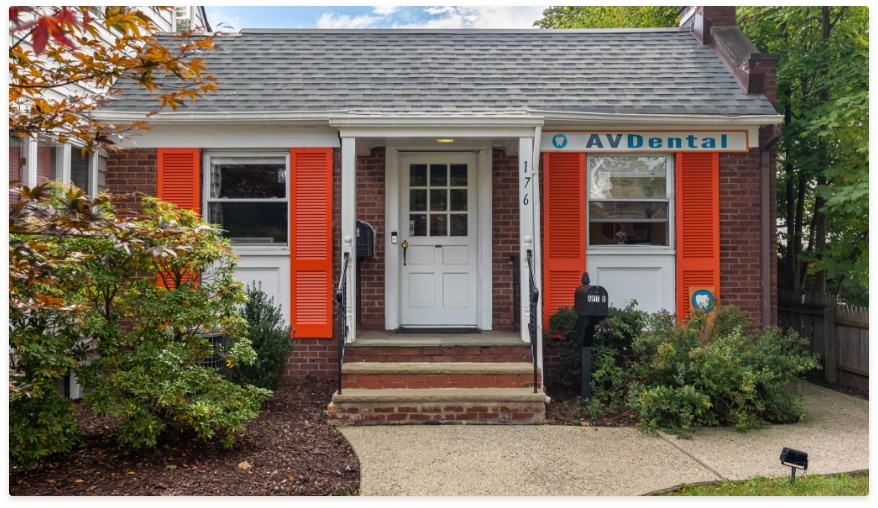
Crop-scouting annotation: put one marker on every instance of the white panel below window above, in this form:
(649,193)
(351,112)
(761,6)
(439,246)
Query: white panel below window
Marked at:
(647,278)
(274,274)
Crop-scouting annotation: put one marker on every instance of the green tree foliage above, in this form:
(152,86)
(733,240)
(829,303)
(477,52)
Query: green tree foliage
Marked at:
(123,302)
(823,157)
(594,16)
(270,338)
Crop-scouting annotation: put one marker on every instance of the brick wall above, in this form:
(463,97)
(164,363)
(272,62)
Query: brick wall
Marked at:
(505,236)
(741,232)
(370,209)
(132,173)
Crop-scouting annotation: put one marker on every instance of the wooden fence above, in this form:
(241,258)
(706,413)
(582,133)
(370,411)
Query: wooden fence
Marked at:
(838,333)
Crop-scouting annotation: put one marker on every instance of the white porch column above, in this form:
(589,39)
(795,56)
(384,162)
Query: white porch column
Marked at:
(538,241)
(526,233)
(349,227)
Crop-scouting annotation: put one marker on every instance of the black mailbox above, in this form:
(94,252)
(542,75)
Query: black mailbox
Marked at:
(365,240)
(590,301)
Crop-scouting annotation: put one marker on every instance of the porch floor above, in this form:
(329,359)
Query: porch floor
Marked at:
(391,338)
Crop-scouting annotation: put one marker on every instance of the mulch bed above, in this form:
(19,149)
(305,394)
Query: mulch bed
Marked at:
(288,450)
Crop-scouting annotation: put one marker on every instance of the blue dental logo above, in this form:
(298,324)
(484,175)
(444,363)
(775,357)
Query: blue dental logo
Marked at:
(559,141)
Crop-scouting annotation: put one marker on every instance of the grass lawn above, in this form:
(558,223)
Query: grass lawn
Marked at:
(835,485)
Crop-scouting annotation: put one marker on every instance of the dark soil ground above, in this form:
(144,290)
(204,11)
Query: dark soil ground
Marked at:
(288,450)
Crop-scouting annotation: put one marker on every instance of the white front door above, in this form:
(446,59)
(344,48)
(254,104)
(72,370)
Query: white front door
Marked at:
(438,272)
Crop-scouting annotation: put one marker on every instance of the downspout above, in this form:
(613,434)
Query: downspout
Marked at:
(766,227)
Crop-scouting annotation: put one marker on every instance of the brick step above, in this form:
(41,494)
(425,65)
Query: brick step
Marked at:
(437,405)
(432,354)
(367,375)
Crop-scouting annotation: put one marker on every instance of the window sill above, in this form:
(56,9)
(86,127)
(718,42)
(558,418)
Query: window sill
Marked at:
(262,250)
(630,250)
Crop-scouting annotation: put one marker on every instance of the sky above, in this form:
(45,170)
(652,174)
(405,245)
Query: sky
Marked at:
(229,18)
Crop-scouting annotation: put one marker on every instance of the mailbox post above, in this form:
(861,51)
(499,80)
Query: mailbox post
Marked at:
(592,305)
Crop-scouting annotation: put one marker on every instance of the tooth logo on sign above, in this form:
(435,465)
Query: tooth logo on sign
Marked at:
(559,141)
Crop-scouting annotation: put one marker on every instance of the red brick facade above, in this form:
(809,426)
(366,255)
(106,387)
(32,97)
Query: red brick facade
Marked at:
(133,174)
(505,236)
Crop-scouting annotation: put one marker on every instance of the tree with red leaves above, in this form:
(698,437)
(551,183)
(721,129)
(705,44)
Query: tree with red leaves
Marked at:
(63,60)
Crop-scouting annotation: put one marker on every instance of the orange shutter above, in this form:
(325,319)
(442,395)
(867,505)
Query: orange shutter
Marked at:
(179,177)
(697,224)
(179,182)
(311,242)
(564,229)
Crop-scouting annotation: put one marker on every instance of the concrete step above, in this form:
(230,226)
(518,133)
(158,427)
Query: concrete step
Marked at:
(416,375)
(489,346)
(437,405)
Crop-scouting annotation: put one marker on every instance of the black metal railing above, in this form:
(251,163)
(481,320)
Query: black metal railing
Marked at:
(341,302)
(532,324)
(516,289)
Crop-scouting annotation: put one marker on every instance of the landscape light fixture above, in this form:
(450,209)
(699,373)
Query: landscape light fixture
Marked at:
(795,460)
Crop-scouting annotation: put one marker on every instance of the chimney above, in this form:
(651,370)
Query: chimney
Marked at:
(717,27)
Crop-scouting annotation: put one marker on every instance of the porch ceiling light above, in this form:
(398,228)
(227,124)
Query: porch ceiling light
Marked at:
(444,140)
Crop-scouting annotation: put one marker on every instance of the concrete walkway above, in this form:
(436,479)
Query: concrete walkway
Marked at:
(550,460)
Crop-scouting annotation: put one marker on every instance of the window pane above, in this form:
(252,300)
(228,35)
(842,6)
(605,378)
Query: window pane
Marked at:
(458,224)
(438,175)
(418,224)
(458,200)
(418,175)
(252,223)
(458,175)
(418,200)
(608,210)
(628,177)
(438,200)
(438,224)
(239,177)
(49,162)
(628,233)
(79,169)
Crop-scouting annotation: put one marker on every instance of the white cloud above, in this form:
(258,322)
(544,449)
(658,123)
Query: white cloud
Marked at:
(478,17)
(332,20)
(385,10)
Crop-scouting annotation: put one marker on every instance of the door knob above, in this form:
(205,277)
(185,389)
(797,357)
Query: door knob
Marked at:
(405,247)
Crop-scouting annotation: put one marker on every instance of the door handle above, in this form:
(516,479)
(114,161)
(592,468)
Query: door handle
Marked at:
(405,247)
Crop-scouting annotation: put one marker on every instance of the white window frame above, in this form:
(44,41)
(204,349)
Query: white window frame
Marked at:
(670,160)
(268,249)
(64,164)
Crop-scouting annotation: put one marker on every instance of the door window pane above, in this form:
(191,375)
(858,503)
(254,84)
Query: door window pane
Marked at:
(418,200)
(458,175)
(628,177)
(418,224)
(458,200)
(418,175)
(438,200)
(438,175)
(458,224)
(438,224)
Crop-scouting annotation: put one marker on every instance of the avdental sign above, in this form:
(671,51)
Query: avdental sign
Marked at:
(644,141)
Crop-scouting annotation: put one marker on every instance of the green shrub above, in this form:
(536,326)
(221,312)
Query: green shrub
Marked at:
(711,370)
(270,339)
(716,371)
(564,324)
(39,426)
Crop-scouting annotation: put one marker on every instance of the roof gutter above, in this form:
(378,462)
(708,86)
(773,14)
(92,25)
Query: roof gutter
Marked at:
(671,119)
(225,118)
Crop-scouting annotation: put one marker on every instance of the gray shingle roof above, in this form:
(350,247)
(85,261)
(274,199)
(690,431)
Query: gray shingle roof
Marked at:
(454,72)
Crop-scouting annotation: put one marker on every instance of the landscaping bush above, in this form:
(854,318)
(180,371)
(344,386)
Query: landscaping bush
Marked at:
(711,370)
(270,339)
(126,303)
(716,371)
(39,426)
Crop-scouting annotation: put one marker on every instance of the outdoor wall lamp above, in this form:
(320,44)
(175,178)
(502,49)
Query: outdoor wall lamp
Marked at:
(795,460)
